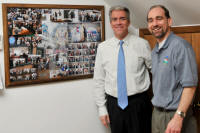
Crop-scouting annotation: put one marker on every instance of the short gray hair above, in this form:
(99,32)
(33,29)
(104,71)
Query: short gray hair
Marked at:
(121,8)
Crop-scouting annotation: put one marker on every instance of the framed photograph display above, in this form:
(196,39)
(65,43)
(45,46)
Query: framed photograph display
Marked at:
(46,43)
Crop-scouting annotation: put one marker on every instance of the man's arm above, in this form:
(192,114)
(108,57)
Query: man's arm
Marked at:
(147,53)
(176,122)
(99,90)
(186,68)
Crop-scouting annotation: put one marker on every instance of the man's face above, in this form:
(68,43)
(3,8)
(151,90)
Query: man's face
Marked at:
(158,23)
(119,23)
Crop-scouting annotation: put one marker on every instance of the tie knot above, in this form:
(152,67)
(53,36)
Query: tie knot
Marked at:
(121,42)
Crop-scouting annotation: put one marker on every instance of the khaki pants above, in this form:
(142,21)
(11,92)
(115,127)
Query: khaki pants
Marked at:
(160,120)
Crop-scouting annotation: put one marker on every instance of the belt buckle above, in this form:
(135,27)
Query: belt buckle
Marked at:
(162,109)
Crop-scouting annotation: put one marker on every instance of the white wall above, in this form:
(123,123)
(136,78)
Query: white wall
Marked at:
(61,107)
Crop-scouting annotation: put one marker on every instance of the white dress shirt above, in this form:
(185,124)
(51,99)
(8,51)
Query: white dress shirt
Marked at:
(137,59)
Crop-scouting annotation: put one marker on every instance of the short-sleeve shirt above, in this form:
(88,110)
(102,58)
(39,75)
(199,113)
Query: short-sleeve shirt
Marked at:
(173,68)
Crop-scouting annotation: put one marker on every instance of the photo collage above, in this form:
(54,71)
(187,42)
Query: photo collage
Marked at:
(52,43)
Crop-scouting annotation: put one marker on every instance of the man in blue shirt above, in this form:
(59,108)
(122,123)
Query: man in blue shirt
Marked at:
(175,77)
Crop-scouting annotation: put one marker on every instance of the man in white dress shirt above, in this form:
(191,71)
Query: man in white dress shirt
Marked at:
(136,116)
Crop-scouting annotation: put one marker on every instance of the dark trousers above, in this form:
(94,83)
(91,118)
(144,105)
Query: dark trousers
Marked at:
(135,118)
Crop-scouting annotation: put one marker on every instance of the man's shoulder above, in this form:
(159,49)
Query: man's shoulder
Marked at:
(137,38)
(106,43)
(179,42)
(139,42)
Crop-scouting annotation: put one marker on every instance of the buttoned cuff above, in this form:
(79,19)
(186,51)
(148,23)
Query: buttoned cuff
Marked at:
(103,111)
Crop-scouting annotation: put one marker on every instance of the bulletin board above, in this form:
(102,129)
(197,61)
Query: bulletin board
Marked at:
(45,43)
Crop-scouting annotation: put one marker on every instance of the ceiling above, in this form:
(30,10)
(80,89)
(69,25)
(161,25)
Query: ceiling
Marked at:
(183,12)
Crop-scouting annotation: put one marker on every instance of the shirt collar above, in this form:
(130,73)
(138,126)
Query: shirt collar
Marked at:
(160,45)
(116,40)
(166,43)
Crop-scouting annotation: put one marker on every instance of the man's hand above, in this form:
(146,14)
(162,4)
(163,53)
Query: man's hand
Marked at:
(175,124)
(105,120)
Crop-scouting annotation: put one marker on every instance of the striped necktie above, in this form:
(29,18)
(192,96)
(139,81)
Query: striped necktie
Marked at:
(121,79)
